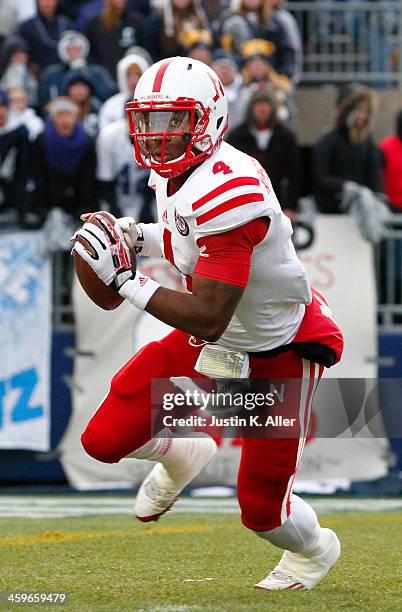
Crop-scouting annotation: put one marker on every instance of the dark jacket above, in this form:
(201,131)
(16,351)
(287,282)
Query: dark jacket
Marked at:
(73,192)
(42,36)
(108,47)
(14,167)
(280,159)
(336,160)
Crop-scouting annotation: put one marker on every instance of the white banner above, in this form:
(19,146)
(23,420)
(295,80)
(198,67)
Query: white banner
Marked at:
(339,265)
(25,332)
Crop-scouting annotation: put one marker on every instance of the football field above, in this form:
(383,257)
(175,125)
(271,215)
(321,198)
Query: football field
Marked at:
(198,557)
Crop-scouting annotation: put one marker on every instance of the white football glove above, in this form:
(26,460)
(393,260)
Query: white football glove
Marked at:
(132,233)
(111,260)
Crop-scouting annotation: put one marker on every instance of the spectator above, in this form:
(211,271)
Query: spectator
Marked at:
(258,73)
(201,48)
(255,19)
(227,70)
(347,156)
(129,70)
(14,164)
(265,138)
(64,163)
(112,32)
(170,29)
(42,33)
(17,69)
(79,86)
(21,114)
(391,148)
(123,186)
(73,49)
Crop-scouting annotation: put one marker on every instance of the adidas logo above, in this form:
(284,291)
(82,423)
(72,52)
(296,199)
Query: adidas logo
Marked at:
(142,280)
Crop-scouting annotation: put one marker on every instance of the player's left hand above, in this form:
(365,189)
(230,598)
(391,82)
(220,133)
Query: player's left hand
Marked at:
(108,256)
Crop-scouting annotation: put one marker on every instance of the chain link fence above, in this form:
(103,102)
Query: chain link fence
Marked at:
(351,41)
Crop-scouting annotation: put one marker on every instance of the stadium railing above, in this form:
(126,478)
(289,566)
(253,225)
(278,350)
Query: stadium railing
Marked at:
(388,266)
(350,41)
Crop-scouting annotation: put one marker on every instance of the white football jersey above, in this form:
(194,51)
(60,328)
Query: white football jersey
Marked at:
(116,163)
(228,190)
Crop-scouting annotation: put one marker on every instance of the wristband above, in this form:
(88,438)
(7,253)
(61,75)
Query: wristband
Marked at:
(139,290)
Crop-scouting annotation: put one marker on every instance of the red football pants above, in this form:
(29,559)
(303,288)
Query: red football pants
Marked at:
(268,466)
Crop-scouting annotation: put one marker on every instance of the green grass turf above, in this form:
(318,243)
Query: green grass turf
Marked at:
(113,563)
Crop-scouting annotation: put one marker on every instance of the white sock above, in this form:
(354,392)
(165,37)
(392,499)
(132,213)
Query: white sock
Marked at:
(299,533)
(171,451)
(155,449)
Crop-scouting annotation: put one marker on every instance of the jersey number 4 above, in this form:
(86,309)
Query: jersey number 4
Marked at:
(221,167)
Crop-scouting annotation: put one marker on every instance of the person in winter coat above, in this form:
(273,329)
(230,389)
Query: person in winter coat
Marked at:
(73,50)
(17,69)
(129,70)
(64,163)
(80,88)
(347,156)
(21,114)
(274,145)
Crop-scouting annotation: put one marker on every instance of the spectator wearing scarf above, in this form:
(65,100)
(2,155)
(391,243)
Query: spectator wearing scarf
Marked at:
(64,162)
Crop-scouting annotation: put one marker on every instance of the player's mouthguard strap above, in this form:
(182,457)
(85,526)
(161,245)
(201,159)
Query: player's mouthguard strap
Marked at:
(139,290)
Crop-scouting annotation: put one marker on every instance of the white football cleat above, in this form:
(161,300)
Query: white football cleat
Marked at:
(164,483)
(299,573)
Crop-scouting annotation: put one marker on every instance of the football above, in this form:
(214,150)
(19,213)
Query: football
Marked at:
(103,296)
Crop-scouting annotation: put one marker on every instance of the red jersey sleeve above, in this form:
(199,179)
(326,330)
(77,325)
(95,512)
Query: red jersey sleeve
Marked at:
(227,257)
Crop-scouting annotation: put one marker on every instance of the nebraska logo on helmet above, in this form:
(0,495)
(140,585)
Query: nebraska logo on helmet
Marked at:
(178,115)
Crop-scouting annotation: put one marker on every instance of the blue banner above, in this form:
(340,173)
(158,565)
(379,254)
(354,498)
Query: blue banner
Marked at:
(25,342)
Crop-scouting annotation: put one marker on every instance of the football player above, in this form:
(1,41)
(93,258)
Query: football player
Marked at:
(220,224)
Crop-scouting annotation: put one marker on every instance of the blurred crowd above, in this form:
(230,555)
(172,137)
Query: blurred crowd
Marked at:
(67,67)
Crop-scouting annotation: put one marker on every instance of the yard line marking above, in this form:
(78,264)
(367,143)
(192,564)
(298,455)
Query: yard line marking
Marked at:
(47,507)
(60,537)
